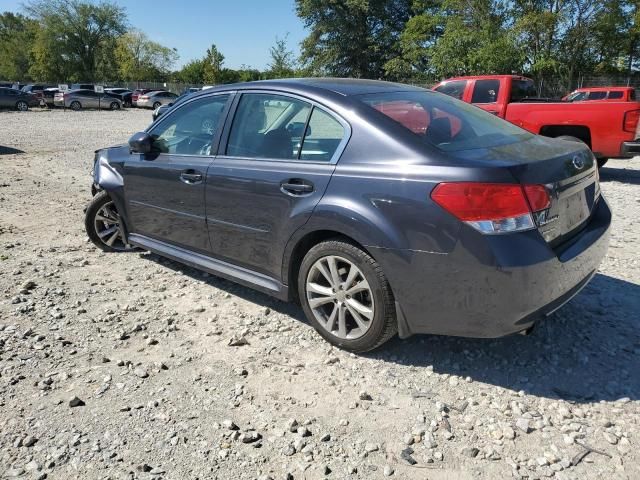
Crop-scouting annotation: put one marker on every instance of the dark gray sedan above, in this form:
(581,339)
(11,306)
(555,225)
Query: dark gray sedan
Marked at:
(380,207)
(17,100)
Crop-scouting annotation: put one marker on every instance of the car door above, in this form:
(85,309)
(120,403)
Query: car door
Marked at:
(4,98)
(164,190)
(486,95)
(266,182)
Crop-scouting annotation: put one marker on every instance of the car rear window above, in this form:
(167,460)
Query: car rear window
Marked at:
(522,89)
(444,122)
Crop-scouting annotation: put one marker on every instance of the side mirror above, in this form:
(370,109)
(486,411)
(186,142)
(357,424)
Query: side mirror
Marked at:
(140,143)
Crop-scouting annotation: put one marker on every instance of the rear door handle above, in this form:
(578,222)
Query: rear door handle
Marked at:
(191,177)
(296,187)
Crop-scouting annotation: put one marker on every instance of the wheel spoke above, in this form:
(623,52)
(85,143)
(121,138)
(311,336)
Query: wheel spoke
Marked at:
(320,289)
(333,268)
(323,270)
(108,231)
(362,323)
(332,318)
(113,238)
(360,308)
(102,218)
(359,287)
(316,302)
(351,276)
(342,322)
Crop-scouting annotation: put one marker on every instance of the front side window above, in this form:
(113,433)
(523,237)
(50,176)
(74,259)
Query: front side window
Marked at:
(189,130)
(446,123)
(485,91)
(454,89)
(268,126)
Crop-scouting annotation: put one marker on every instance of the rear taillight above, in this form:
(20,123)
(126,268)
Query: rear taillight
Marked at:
(631,121)
(492,207)
(143,97)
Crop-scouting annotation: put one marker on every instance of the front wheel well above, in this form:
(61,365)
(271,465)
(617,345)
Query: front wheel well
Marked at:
(305,244)
(578,131)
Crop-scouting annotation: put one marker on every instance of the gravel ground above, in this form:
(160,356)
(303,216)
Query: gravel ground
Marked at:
(119,365)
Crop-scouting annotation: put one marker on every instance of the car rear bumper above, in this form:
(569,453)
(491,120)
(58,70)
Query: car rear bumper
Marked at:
(630,149)
(492,285)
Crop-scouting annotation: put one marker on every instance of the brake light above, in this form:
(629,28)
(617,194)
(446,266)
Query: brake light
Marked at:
(492,207)
(631,121)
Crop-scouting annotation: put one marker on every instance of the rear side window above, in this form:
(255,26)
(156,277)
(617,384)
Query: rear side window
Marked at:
(615,95)
(268,126)
(522,89)
(597,96)
(322,138)
(454,89)
(485,91)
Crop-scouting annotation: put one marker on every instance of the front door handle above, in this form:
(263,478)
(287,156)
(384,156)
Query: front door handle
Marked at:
(191,177)
(296,186)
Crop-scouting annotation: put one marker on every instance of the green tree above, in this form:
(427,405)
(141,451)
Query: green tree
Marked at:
(351,38)
(192,72)
(140,58)
(212,64)
(475,40)
(76,39)
(17,34)
(420,34)
(283,62)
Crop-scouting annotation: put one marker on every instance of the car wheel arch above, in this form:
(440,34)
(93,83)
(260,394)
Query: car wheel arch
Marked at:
(300,247)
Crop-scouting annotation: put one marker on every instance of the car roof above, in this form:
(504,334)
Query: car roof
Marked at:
(335,88)
(485,77)
(604,89)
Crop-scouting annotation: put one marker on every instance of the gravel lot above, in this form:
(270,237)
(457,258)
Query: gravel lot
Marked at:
(118,366)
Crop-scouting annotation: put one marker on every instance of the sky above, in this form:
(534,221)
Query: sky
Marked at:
(243,30)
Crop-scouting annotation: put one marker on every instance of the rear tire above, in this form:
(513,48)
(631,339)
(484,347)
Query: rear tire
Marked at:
(114,106)
(104,226)
(360,314)
(156,105)
(22,106)
(75,106)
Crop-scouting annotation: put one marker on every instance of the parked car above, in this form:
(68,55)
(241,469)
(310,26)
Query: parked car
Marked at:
(602,94)
(155,99)
(49,96)
(79,99)
(610,129)
(37,90)
(472,226)
(123,94)
(162,109)
(137,92)
(18,100)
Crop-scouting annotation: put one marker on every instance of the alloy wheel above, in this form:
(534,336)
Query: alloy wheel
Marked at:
(22,106)
(108,227)
(115,106)
(340,297)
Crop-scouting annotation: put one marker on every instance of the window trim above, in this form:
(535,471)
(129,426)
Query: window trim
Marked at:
(215,143)
(222,147)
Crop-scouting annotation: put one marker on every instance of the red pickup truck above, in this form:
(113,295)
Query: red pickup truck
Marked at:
(611,129)
(602,94)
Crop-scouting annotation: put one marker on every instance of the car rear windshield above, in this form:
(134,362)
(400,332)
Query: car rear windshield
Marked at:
(444,122)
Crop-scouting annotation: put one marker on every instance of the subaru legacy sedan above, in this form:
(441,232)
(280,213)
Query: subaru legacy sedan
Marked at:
(382,208)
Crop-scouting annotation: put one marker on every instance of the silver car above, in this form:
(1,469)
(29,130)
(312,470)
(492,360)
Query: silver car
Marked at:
(79,99)
(156,99)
